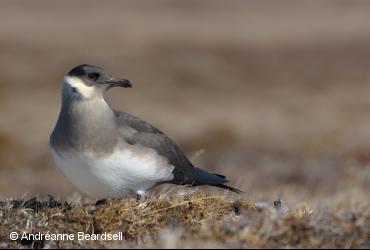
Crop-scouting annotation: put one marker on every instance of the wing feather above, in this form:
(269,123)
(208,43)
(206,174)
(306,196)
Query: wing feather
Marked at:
(135,131)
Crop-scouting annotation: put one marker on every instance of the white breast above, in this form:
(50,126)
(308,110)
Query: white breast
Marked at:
(116,175)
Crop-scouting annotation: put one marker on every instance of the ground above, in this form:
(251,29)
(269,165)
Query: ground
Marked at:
(182,220)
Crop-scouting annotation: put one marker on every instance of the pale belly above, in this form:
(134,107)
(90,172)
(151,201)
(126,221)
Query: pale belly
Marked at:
(115,176)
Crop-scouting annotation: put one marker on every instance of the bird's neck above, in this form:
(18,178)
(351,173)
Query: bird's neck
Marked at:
(81,109)
(86,123)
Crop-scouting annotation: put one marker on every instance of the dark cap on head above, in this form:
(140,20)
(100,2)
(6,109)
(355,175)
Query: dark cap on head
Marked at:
(94,75)
(80,69)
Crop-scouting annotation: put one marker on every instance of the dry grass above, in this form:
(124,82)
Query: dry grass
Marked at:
(190,220)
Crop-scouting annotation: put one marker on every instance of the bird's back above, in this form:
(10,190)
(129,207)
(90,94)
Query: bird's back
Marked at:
(136,131)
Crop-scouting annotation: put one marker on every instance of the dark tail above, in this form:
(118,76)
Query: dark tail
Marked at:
(228,188)
(205,178)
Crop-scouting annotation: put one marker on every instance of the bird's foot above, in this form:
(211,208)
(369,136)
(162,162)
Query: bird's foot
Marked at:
(97,203)
(140,196)
(100,202)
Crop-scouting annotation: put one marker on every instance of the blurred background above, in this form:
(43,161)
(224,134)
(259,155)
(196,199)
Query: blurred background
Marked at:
(273,94)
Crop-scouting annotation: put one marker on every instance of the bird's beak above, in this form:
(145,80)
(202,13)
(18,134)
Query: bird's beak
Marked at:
(116,82)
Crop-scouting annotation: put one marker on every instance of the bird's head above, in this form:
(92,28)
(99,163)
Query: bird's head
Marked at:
(88,81)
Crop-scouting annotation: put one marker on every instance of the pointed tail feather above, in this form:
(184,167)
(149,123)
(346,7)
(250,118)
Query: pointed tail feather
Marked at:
(228,188)
(220,175)
(202,177)
(205,178)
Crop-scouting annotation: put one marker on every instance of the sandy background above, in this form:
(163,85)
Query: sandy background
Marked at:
(275,95)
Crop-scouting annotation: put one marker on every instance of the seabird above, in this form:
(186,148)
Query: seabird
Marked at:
(111,154)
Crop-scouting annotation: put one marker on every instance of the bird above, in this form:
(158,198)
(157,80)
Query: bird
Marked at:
(107,153)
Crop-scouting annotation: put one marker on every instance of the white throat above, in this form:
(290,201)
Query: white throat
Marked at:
(75,86)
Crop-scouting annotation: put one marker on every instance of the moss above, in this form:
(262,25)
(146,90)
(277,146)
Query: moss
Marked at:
(202,220)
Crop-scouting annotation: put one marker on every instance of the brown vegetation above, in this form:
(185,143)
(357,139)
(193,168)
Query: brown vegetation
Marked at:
(191,220)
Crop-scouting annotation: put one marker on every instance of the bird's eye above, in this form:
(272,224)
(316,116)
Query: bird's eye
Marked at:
(93,76)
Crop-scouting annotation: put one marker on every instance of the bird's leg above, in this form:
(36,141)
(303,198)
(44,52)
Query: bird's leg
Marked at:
(140,196)
(100,201)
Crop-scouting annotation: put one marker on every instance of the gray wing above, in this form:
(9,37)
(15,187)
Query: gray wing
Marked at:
(138,132)
(135,131)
